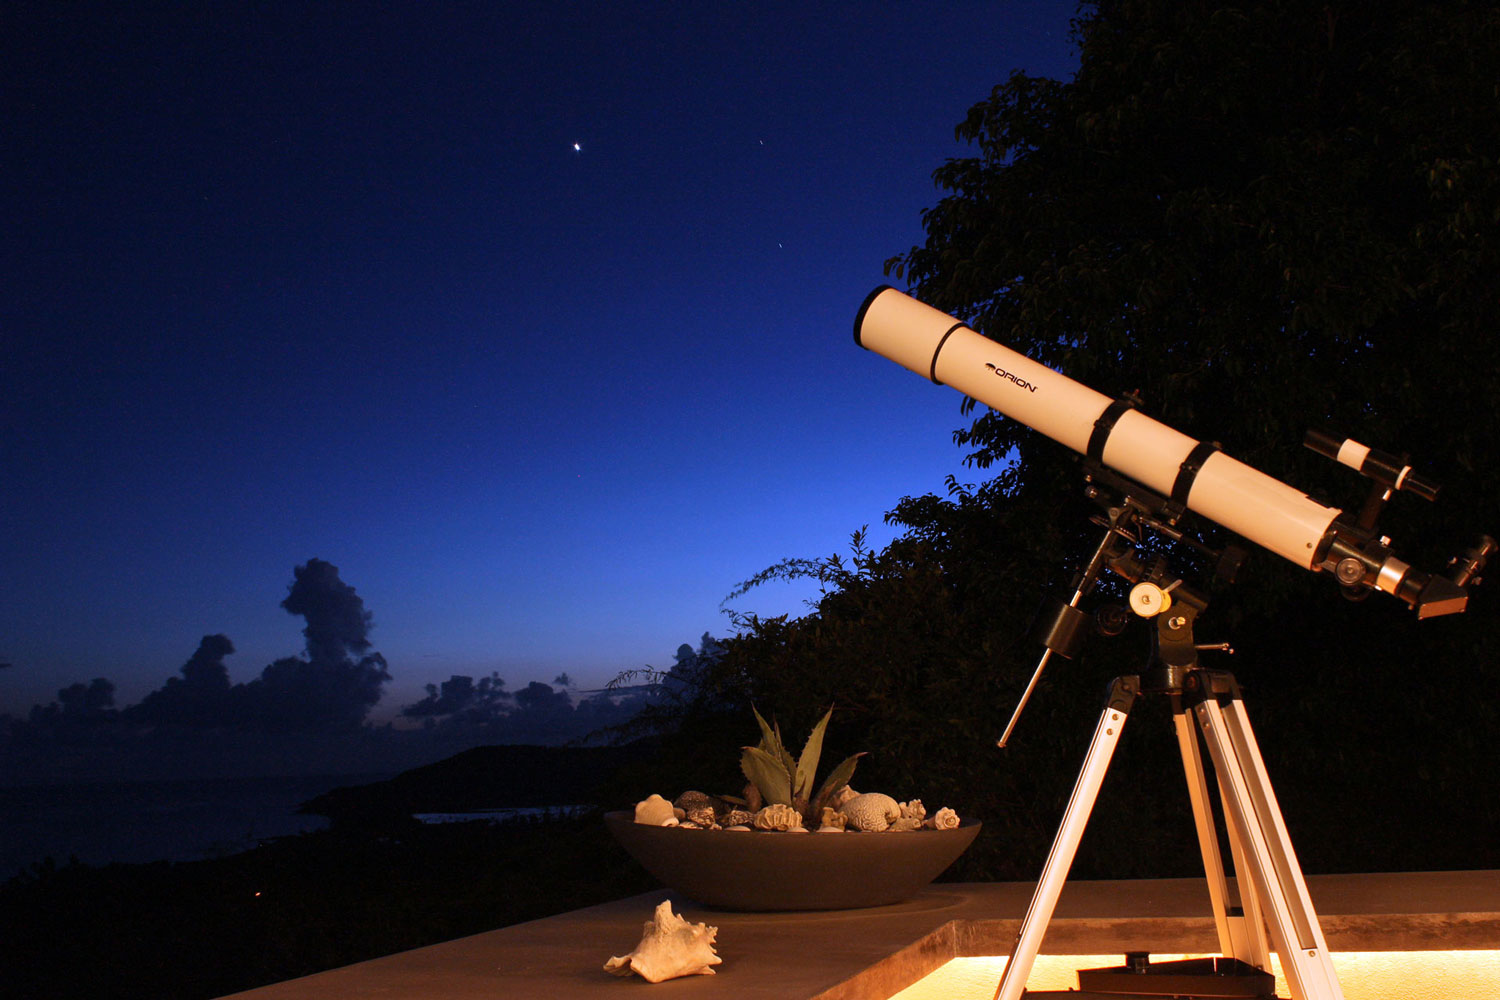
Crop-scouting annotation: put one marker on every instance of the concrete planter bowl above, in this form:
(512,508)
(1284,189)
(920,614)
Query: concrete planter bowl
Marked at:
(755,870)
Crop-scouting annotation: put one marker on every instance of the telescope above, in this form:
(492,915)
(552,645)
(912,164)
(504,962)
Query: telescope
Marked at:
(1194,474)
(1159,475)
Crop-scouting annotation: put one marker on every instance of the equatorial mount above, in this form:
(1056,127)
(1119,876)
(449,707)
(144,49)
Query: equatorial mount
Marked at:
(1267,906)
(1128,512)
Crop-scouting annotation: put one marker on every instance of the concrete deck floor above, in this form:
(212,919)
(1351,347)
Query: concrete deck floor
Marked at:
(871,954)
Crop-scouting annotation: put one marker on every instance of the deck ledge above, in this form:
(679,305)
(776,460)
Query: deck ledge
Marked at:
(871,954)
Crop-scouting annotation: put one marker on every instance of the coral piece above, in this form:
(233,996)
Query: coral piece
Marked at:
(655,811)
(943,819)
(871,812)
(778,816)
(913,810)
(843,795)
(902,823)
(670,947)
(832,819)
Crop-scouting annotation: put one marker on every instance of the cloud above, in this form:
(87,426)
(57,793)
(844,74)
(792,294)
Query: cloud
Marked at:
(332,688)
(338,626)
(200,698)
(459,696)
(79,706)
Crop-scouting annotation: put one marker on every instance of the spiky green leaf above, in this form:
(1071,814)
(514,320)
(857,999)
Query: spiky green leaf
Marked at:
(768,774)
(837,778)
(770,738)
(807,764)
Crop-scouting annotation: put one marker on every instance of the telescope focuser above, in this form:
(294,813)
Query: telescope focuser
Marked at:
(1361,560)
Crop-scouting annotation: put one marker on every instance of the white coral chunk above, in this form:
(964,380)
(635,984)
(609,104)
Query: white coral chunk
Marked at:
(843,795)
(655,811)
(832,819)
(778,816)
(871,812)
(670,947)
(943,819)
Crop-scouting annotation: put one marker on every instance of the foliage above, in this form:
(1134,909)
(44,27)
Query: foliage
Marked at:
(1268,217)
(1263,218)
(780,778)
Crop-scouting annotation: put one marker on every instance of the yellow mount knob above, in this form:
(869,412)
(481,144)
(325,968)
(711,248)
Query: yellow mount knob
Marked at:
(1148,600)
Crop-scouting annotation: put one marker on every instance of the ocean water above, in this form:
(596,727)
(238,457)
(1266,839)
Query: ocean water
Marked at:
(135,822)
(501,815)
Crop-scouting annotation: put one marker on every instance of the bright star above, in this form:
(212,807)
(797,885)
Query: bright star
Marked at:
(577,147)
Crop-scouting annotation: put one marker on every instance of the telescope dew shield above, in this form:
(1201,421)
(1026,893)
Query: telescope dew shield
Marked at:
(936,346)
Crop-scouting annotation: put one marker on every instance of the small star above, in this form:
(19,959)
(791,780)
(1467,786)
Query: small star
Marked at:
(577,147)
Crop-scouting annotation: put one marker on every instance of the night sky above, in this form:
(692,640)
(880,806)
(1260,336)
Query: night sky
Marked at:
(533,319)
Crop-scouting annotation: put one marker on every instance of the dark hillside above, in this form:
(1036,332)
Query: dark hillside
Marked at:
(494,777)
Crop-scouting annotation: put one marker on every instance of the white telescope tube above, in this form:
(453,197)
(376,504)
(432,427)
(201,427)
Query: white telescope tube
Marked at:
(1242,499)
(1194,475)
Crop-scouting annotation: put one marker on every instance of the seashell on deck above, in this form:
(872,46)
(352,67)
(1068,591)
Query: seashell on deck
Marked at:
(670,947)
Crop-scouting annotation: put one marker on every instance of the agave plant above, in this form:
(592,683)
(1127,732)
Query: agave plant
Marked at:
(781,779)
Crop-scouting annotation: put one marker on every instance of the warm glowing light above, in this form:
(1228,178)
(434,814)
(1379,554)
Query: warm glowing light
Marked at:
(1364,975)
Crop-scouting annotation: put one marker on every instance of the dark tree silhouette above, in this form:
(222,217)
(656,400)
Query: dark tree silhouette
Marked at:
(1263,218)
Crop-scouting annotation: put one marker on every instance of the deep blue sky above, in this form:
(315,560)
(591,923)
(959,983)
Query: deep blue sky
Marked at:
(295,280)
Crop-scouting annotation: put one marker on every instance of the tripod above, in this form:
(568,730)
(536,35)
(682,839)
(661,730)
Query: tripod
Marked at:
(1272,894)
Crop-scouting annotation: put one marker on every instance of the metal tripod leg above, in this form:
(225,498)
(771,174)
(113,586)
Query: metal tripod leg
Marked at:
(1122,695)
(1242,929)
(1255,820)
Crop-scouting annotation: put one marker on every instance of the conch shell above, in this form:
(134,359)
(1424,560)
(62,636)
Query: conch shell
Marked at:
(670,947)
